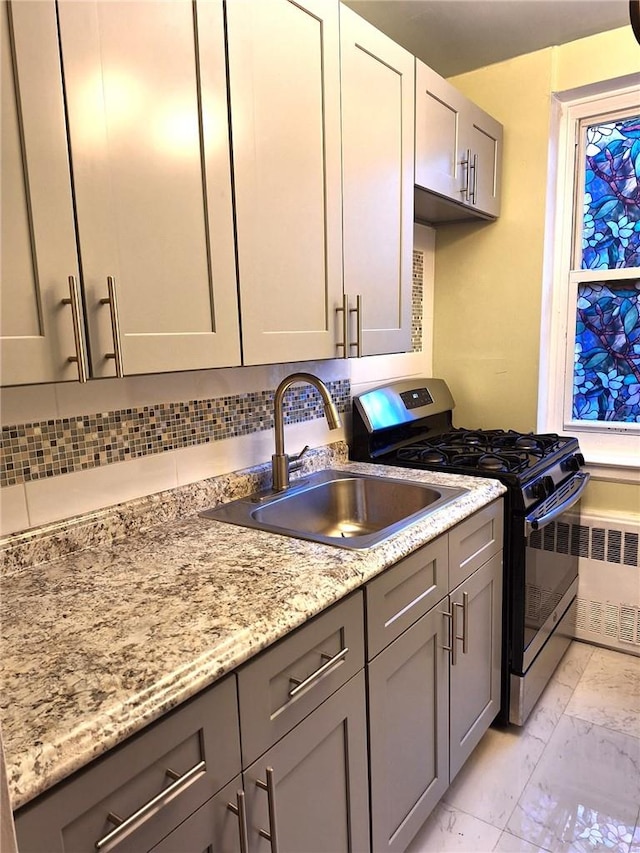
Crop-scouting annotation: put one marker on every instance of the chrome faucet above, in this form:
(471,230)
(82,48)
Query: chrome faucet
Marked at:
(281,464)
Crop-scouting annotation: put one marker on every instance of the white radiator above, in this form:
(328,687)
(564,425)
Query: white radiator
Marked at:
(608,605)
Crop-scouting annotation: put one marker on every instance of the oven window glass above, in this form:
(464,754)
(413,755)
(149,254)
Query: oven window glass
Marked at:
(551,566)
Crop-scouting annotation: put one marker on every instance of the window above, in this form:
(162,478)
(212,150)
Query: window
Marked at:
(590,370)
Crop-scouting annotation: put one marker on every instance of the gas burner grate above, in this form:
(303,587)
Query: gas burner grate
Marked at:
(504,451)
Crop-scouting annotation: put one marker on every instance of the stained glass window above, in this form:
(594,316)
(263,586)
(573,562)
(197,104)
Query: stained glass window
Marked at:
(606,375)
(606,371)
(611,219)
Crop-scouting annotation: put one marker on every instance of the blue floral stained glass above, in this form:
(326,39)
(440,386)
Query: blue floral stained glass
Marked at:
(611,220)
(606,375)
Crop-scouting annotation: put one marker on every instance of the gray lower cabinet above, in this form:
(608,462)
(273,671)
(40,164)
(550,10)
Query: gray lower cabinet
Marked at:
(304,737)
(433,671)
(309,791)
(475,668)
(408,726)
(138,793)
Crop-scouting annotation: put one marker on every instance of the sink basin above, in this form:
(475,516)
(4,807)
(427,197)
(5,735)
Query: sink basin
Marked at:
(338,508)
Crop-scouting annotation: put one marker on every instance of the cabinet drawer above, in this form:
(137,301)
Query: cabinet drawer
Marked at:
(285,683)
(474,541)
(404,593)
(201,736)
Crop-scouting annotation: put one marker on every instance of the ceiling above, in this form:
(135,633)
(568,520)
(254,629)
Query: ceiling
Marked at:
(453,36)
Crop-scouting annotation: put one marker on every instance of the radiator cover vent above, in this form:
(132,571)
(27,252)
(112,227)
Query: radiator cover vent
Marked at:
(607,610)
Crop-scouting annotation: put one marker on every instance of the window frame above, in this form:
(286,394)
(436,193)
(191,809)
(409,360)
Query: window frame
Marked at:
(612,452)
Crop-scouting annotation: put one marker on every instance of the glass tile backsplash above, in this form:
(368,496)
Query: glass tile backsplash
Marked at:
(34,451)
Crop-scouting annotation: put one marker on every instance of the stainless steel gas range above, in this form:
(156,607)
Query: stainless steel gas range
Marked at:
(410,424)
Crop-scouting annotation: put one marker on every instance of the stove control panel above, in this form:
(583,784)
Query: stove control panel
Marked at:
(416,398)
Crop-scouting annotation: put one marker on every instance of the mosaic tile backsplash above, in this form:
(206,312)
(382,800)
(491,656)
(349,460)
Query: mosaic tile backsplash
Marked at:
(34,451)
(417,302)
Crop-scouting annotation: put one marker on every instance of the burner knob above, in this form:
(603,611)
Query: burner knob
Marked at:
(574,463)
(543,487)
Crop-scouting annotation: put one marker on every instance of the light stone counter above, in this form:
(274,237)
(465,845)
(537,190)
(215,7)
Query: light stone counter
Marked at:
(98,644)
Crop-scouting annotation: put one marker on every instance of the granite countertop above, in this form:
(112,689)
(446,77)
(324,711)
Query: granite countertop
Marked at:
(98,644)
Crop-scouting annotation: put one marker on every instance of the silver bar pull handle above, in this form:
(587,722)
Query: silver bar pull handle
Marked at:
(329,663)
(76,316)
(344,310)
(358,312)
(474,183)
(465,622)
(269,786)
(112,301)
(466,161)
(239,808)
(453,630)
(123,824)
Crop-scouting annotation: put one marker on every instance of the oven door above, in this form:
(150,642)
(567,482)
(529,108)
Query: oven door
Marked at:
(551,563)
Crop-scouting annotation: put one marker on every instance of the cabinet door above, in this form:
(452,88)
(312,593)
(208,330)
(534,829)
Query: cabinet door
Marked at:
(147,107)
(284,77)
(377,166)
(213,828)
(319,799)
(408,735)
(475,677)
(483,135)
(440,163)
(38,236)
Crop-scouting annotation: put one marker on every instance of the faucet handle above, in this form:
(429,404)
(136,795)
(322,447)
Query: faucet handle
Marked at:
(295,461)
(298,456)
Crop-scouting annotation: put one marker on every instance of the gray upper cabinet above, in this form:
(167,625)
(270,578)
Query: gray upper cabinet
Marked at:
(458,153)
(127,247)
(377,187)
(38,236)
(146,99)
(146,128)
(439,108)
(284,78)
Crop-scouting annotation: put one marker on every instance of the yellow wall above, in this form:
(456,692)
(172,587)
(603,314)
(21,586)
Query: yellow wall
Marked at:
(489,276)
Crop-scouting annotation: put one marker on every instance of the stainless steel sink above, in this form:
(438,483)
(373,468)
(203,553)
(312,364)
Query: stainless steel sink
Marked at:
(338,508)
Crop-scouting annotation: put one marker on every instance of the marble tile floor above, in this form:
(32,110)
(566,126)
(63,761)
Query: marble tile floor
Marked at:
(568,781)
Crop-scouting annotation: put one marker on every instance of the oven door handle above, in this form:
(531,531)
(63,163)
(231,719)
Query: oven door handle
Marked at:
(533,523)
